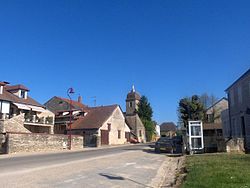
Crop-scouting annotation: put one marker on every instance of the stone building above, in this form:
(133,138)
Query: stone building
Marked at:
(103,125)
(132,118)
(212,127)
(168,129)
(239,114)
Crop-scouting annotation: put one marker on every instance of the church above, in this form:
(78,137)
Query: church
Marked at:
(132,118)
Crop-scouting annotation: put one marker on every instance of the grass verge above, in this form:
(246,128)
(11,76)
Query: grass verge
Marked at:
(218,170)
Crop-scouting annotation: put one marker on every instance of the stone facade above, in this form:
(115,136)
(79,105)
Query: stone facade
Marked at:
(117,126)
(235,145)
(114,124)
(132,118)
(32,142)
(239,109)
(15,124)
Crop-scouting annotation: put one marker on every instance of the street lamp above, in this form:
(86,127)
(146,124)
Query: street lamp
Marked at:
(70,91)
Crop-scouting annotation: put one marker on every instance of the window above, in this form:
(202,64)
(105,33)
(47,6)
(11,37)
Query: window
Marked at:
(210,118)
(119,134)
(249,89)
(232,97)
(109,126)
(240,94)
(140,134)
(233,128)
(130,104)
(22,94)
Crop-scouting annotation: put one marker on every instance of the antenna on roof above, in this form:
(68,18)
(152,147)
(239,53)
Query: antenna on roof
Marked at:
(94,97)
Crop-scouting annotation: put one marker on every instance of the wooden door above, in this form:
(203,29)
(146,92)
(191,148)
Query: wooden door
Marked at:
(104,137)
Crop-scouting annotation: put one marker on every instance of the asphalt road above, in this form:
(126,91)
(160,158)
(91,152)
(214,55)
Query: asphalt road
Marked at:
(126,166)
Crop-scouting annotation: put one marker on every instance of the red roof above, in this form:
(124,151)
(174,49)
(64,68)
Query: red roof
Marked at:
(16,87)
(95,117)
(75,104)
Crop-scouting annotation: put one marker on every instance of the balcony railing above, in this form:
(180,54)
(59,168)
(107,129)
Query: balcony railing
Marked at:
(43,120)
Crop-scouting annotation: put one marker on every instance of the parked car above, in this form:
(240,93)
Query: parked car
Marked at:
(170,145)
(164,144)
(134,141)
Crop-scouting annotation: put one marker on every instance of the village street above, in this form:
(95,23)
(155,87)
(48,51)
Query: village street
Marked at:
(125,166)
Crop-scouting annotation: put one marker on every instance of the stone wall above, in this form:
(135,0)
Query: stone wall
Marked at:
(235,145)
(14,124)
(35,142)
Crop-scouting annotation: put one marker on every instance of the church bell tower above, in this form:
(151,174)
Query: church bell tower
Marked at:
(132,101)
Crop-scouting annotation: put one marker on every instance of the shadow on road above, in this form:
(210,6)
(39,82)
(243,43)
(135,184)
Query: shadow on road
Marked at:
(112,177)
(115,177)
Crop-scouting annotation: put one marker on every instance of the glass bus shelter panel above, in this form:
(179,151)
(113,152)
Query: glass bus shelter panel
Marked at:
(196,143)
(195,131)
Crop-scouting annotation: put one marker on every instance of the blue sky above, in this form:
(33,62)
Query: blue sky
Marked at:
(167,49)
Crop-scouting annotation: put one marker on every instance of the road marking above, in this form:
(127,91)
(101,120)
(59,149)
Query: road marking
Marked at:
(32,169)
(129,164)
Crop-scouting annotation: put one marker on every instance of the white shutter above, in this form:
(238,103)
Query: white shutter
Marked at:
(5,107)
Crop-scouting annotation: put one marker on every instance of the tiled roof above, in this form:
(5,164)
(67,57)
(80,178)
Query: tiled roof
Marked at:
(241,77)
(168,126)
(75,104)
(212,126)
(133,95)
(8,96)
(95,117)
(16,87)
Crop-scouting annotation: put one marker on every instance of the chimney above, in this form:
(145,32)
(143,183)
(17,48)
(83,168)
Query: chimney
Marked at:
(79,99)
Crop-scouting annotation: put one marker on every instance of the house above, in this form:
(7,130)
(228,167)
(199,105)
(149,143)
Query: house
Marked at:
(239,114)
(213,113)
(212,127)
(62,108)
(103,125)
(132,118)
(168,129)
(20,113)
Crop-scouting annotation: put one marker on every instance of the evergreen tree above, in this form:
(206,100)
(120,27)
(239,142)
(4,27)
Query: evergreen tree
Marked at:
(145,112)
(191,109)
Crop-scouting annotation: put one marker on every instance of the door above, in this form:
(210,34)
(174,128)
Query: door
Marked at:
(127,136)
(104,137)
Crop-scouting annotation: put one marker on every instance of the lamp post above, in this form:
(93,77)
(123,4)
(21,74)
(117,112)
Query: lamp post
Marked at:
(70,91)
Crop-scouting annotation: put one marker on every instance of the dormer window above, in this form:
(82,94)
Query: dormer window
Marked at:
(23,94)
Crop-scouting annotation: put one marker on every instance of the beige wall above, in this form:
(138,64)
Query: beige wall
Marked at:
(217,109)
(117,122)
